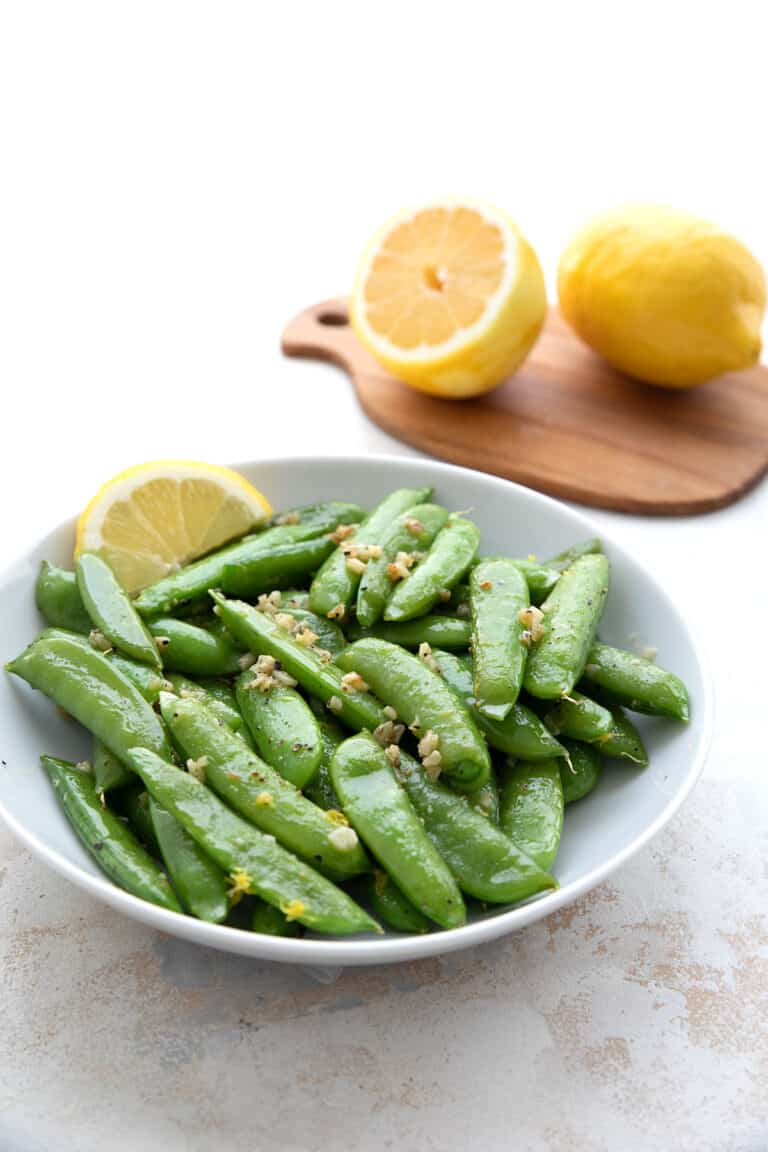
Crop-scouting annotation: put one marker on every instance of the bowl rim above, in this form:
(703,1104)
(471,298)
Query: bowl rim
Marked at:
(354,951)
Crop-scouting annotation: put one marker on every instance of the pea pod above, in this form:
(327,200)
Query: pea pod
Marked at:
(270,921)
(148,680)
(262,572)
(578,717)
(329,636)
(623,741)
(335,584)
(193,581)
(133,803)
(112,845)
(257,791)
(581,772)
(453,550)
(389,904)
(193,650)
(283,728)
(111,610)
(486,799)
(450,632)
(520,733)
(216,695)
(572,613)
(381,813)
(108,772)
(320,789)
(201,884)
(89,687)
(637,684)
(540,578)
(498,595)
(413,530)
(425,703)
(259,632)
(485,862)
(564,559)
(254,861)
(532,808)
(59,600)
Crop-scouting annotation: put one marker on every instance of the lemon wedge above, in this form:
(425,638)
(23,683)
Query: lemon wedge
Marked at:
(450,298)
(154,517)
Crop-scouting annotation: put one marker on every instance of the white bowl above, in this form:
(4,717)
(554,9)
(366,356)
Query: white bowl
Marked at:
(600,832)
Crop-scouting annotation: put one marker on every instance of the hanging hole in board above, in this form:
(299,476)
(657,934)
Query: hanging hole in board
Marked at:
(333,319)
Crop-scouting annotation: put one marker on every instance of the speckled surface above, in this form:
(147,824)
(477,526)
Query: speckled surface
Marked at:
(635,1018)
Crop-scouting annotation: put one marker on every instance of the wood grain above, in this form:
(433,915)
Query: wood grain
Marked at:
(568,424)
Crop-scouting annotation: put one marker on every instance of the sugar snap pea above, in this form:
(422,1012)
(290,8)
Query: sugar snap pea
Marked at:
(540,578)
(425,703)
(379,810)
(581,772)
(249,576)
(578,717)
(638,684)
(283,728)
(450,632)
(111,610)
(391,905)
(200,883)
(193,581)
(108,772)
(330,637)
(216,695)
(572,613)
(147,679)
(413,530)
(623,741)
(270,921)
(336,583)
(194,650)
(132,802)
(520,733)
(108,839)
(498,596)
(320,789)
(453,550)
(258,792)
(532,808)
(89,687)
(486,799)
(253,860)
(564,559)
(58,599)
(261,634)
(485,862)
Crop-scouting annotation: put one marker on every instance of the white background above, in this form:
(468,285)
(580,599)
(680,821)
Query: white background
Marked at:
(176,180)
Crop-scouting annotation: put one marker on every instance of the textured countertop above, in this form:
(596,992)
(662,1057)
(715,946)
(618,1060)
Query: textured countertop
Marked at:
(165,223)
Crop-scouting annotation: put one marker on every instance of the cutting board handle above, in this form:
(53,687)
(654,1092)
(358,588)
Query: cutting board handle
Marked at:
(322,332)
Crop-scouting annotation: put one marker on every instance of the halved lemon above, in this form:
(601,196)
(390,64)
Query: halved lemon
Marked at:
(154,517)
(450,298)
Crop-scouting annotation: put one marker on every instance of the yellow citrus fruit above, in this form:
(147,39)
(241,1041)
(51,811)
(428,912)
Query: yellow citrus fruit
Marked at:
(152,518)
(450,298)
(662,295)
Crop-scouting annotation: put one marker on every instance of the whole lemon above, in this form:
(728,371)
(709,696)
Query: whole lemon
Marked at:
(662,295)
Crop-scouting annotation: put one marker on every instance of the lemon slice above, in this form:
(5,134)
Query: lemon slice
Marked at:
(450,298)
(152,518)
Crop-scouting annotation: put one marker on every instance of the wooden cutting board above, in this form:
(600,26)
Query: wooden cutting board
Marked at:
(568,424)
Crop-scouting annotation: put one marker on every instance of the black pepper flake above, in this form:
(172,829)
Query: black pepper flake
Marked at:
(98,845)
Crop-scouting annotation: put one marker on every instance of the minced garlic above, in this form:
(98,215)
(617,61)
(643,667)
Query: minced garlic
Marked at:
(344,839)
